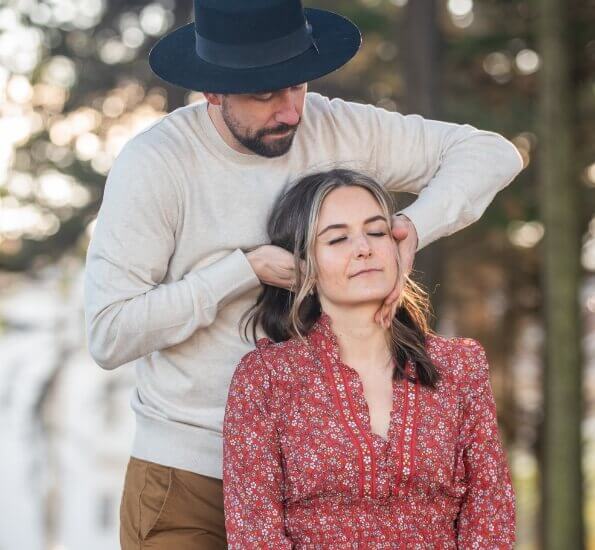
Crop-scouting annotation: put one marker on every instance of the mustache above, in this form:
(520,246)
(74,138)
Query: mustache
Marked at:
(281,129)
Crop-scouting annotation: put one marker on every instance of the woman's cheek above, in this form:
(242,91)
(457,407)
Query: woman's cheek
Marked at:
(330,263)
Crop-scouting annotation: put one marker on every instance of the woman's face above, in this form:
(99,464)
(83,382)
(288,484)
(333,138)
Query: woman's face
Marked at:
(354,249)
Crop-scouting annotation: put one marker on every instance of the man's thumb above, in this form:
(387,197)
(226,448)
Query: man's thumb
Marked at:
(400,230)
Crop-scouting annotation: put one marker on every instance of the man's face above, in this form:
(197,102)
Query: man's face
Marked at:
(265,123)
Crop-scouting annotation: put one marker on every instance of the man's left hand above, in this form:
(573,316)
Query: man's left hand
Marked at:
(405,234)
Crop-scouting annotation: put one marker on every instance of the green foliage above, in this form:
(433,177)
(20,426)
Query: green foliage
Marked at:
(102,62)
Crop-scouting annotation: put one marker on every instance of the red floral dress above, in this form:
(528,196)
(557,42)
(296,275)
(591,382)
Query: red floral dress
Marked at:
(302,468)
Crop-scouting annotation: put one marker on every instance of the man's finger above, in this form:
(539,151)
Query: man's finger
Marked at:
(392,310)
(394,294)
(285,271)
(400,227)
(400,232)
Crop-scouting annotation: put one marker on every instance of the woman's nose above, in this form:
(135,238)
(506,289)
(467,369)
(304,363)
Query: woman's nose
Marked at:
(362,247)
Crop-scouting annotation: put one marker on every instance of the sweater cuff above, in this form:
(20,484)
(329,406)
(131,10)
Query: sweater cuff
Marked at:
(225,279)
(425,225)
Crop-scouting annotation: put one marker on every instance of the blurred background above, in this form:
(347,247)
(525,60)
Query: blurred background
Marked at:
(75,86)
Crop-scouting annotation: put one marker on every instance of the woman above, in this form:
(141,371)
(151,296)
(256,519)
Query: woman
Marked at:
(340,433)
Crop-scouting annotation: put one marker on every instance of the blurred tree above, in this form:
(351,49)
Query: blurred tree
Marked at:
(421,44)
(75,86)
(559,190)
(76,93)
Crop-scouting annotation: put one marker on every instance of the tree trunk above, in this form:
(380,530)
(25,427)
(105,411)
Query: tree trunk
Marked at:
(420,45)
(562,525)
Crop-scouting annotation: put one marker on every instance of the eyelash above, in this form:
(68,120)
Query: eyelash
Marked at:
(376,234)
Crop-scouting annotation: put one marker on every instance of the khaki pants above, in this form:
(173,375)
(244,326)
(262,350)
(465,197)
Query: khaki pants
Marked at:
(169,509)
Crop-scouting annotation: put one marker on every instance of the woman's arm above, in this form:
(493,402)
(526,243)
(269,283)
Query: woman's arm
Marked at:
(487,516)
(252,472)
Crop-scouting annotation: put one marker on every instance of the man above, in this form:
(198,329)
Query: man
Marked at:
(180,246)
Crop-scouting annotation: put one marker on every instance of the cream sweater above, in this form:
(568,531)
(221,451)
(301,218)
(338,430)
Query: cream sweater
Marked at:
(167,280)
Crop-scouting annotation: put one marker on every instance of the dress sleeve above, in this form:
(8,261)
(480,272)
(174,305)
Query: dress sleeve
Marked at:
(252,470)
(487,516)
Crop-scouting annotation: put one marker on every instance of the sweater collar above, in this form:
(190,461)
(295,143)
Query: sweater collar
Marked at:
(218,146)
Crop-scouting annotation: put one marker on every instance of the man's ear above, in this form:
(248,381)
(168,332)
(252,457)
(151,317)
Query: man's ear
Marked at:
(214,99)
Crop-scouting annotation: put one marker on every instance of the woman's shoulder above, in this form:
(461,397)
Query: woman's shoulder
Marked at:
(460,357)
(439,344)
(274,358)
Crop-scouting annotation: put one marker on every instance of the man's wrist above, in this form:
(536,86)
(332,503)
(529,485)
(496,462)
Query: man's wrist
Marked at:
(253,259)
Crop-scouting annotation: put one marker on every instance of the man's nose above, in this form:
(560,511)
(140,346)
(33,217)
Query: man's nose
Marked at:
(287,113)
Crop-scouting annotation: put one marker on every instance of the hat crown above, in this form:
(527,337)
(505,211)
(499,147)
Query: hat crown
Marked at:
(247,21)
(247,46)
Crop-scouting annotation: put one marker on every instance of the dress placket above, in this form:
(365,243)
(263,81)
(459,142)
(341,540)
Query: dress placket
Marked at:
(344,403)
(404,449)
(401,444)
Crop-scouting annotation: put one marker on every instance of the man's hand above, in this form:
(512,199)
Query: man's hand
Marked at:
(405,234)
(273,265)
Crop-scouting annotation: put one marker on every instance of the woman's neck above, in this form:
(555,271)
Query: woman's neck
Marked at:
(363,343)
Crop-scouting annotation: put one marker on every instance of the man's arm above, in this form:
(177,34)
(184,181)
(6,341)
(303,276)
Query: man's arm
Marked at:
(129,311)
(456,170)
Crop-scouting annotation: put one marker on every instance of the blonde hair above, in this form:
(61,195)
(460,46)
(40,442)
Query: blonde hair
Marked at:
(284,313)
(332,181)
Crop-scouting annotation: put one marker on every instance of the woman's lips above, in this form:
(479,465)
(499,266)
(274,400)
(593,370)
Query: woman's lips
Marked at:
(365,272)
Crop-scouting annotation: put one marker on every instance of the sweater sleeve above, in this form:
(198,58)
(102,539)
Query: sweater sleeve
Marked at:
(129,310)
(252,468)
(455,169)
(487,515)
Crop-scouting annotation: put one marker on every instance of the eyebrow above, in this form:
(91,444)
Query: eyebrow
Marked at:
(343,225)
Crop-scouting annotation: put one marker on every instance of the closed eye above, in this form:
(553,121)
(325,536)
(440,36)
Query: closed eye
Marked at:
(375,234)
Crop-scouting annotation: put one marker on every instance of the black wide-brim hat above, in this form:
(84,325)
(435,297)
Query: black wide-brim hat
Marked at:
(247,46)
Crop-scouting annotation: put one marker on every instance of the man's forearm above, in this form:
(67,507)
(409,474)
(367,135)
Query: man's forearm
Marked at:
(473,170)
(121,328)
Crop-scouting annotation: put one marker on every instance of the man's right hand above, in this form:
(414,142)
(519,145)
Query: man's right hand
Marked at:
(273,265)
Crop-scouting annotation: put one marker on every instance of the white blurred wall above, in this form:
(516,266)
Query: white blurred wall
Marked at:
(65,424)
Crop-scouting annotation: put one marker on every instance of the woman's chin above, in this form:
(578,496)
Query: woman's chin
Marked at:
(377,294)
(355,296)
(372,300)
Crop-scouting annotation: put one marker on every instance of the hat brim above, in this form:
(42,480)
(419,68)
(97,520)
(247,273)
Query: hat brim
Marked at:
(174,59)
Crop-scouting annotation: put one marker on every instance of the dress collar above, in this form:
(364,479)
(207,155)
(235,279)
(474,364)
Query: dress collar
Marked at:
(322,336)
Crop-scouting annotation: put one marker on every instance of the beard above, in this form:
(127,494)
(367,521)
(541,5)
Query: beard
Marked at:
(256,141)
